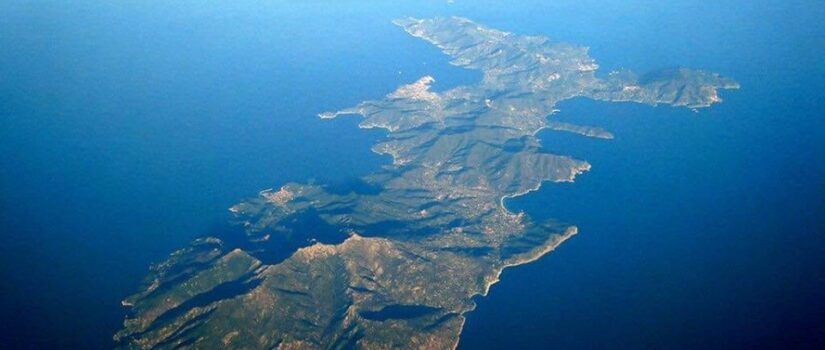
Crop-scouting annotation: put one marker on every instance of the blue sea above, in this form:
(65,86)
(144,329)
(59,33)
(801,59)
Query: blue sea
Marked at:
(128,128)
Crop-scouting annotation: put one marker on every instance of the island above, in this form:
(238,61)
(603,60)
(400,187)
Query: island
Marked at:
(396,261)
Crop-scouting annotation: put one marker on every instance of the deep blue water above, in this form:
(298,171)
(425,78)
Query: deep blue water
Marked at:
(126,130)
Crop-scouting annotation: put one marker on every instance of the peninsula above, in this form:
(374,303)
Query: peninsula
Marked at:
(397,266)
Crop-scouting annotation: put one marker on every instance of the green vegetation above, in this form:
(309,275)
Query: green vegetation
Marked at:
(413,254)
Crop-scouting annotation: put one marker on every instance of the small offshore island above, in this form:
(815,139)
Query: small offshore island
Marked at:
(398,265)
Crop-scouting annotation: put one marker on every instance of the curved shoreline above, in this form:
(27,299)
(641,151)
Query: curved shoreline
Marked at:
(510,102)
(559,240)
